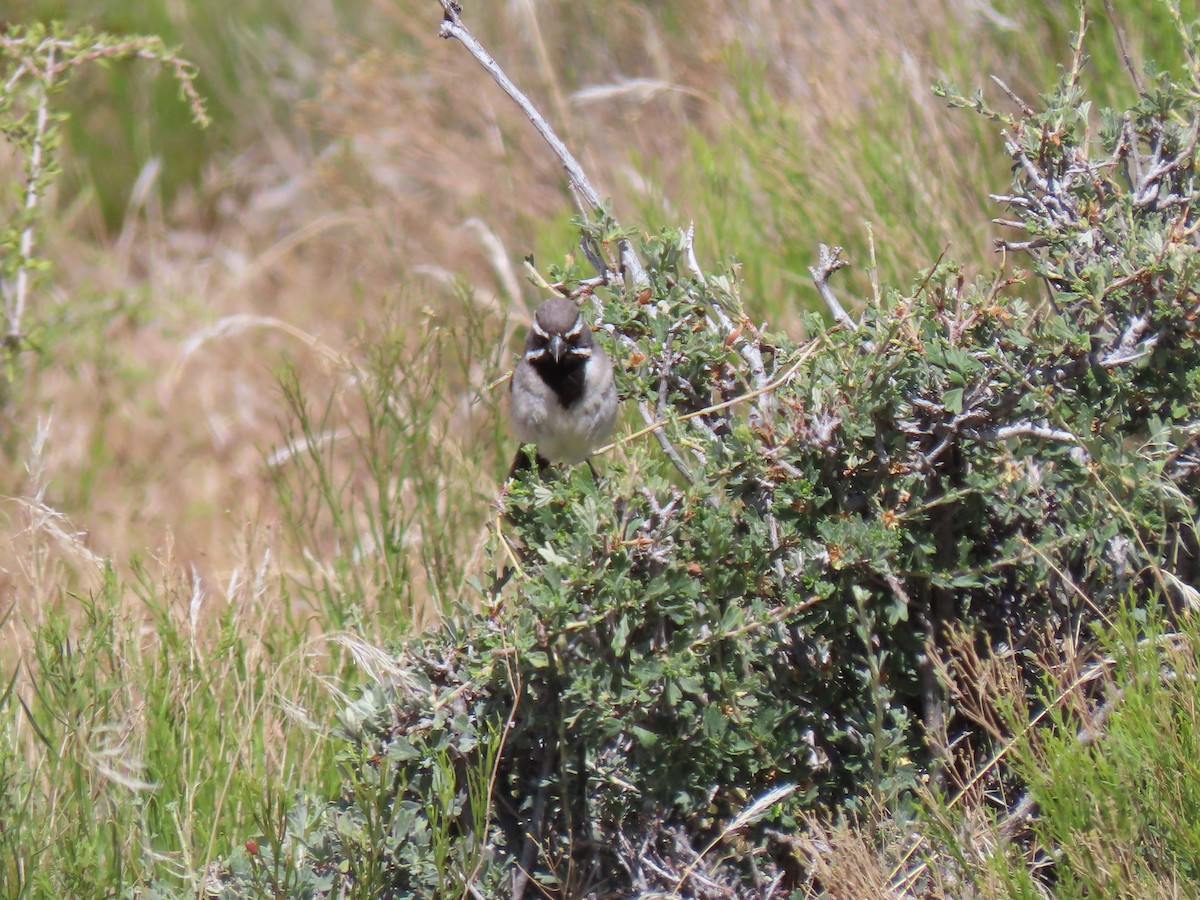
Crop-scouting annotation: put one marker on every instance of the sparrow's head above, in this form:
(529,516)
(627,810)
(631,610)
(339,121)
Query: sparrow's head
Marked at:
(558,336)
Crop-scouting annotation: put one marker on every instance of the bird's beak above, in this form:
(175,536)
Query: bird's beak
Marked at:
(557,348)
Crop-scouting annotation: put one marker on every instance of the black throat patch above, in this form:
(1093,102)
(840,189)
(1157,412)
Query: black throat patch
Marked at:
(566,378)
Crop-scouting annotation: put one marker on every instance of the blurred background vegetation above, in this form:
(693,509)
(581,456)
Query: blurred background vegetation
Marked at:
(200,455)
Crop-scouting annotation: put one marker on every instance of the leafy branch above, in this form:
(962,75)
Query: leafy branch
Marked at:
(36,63)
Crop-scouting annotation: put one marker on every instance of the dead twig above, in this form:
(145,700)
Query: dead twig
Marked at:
(1024,107)
(829,260)
(718,407)
(453,27)
(15,310)
(1124,47)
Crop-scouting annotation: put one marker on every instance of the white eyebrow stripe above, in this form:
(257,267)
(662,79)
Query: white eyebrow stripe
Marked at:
(539,330)
(576,329)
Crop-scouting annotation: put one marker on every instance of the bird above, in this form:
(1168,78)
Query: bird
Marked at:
(562,396)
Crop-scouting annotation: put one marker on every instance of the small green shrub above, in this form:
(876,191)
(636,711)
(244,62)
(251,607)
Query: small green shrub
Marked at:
(733,626)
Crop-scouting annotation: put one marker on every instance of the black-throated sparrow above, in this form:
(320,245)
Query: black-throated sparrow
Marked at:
(563,397)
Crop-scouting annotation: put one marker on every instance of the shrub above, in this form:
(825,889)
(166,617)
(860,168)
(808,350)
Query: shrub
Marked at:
(734,625)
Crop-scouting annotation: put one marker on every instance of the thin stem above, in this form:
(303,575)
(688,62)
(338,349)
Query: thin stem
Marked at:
(33,183)
(453,27)
(1124,47)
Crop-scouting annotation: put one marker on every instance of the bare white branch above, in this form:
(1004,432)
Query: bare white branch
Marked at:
(453,27)
(689,242)
(1021,429)
(1131,347)
(15,310)
(829,260)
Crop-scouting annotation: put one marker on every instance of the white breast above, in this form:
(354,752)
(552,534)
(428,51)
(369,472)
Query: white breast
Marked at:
(565,435)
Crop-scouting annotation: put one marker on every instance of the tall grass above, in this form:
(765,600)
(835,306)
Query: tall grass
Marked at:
(1107,779)
(374,483)
(141,745)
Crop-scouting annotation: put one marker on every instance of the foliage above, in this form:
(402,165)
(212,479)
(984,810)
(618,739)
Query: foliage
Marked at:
(736,626)
(36,64)
(1144,768)
(128,734)
(1106,779)
(373,508)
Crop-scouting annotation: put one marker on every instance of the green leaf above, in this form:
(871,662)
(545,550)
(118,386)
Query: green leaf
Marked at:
(645,737)
(620,635)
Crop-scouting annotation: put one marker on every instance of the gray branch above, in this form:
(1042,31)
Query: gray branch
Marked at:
(453,27)
(1021,429)
(34,169)
(1131,347)
(1147,191)
(747,350)
(1025,108)
(667,447)
(828,262)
